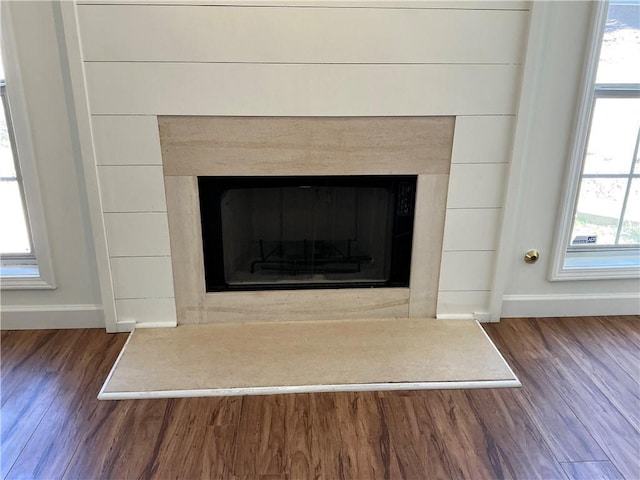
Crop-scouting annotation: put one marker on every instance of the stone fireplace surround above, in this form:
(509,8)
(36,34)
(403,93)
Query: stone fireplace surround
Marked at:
(255,146)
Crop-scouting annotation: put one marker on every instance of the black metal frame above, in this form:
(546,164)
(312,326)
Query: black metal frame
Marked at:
(402,188)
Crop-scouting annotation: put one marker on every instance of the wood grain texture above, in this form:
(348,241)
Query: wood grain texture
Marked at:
(434,434)
(592,471)
(305,146)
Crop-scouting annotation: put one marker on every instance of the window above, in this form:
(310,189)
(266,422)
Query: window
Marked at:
(603,235)
(16,246)
(25,256)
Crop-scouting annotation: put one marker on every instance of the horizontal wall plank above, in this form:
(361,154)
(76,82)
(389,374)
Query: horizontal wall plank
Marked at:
(484,139)
(126,140)
(142,277)
(296,305)
(305,146)
(137,234)
(477,185)
(301,90)
(147,310)
(300,35)
(450,303)
(413,4)
(472,229)
(462,271)
(132,189)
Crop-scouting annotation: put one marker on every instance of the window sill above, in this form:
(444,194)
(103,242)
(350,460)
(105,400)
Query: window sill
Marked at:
(22,277)
(600,264)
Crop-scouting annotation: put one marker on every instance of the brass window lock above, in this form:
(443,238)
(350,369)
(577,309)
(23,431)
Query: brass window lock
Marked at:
(531,256)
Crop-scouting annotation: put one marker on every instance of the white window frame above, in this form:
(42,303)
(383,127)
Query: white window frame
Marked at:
(27,164)
(559,270)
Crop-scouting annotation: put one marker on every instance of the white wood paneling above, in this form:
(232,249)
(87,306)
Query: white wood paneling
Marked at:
(477,185)
(147,310)
(483,139)
(131,140)
(413,4)
(132,189)
(142,277)
(463,302)
(137,234)
(300,35)
(466,271)
(300,90)
(472,229)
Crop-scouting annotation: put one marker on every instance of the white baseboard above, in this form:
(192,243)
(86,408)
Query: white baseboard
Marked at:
(167,324)
(570,305)
(42,317)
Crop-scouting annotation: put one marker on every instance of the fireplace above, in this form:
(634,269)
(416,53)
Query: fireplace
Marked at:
(300,232)
(305,218)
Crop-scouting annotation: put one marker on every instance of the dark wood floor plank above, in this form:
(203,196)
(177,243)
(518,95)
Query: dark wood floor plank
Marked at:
(592,471)
(21,414)
(415,448)
(559,426)
(297,439)
(326,440)
(588,357)
(220,439)
(621,336)
(359,421)
(615,435)
(260,439)
(514,434)
(47,453)
(469,452)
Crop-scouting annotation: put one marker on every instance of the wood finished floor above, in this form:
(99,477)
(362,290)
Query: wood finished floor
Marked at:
(577,416)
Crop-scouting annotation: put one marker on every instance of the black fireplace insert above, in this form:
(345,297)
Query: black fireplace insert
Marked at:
(262,233)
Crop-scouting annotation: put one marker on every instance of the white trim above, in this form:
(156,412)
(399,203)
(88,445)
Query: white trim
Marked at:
(83,147)
(350,387)
(455,316)
(570,305)
(115,364)
(394,4)
(574,165)
(27,161)
(167,324)
(537,46)
(125,326)
(28,317)
(24,283)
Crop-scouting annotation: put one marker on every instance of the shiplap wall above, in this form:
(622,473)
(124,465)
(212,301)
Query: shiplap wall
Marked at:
(337,59)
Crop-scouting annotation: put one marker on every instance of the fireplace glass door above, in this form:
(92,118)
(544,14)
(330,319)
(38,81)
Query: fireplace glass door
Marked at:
(306,232)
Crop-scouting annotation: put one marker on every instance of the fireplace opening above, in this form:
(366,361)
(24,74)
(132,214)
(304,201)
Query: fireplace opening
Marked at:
(262,233)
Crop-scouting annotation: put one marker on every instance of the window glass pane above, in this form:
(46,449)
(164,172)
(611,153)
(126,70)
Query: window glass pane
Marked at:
(630,233)
(636,164)
(15,237)
(613,135)
(620,53)
(598,211)
(7,168)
